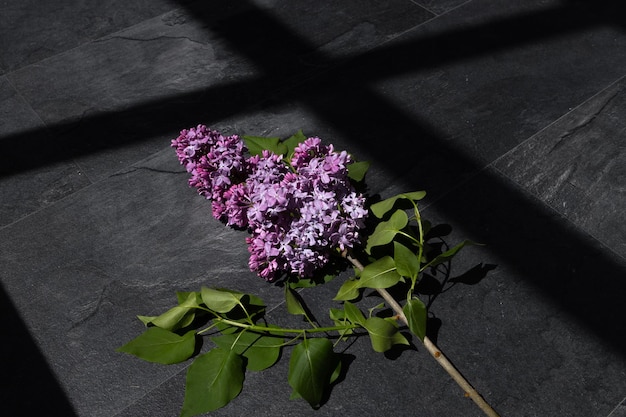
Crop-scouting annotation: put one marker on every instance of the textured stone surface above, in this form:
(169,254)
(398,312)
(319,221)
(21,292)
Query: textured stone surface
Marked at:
(22,192)
(510,115)
(578,166)
(620,410)
(55,27)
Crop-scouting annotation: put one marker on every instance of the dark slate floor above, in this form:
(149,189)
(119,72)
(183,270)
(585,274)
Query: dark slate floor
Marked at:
(511,114)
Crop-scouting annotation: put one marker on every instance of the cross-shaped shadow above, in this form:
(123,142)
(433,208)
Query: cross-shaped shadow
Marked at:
(581,277)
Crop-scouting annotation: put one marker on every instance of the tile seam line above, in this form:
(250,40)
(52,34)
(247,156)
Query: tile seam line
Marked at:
(89,41)
(418,2)
(43,123)
(557,120)
(552,209)
(125,170)
(617,407)
(419,25)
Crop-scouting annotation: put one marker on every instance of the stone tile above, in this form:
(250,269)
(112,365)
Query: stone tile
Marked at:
(578,166)
(29,179)
(15,113)
(620,410)
(338,29)
(31,30)
(440,6)
(24,367)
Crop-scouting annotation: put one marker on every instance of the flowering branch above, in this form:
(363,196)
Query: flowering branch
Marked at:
(298,200)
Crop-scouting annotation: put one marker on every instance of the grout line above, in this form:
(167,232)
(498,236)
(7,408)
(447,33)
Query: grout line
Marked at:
(617,407)
(417,2)
(557,120)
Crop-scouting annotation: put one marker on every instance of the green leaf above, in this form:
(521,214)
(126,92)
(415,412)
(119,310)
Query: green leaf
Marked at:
(146,319)
(161,346)
(221,300)
(382,207)
(381,273)
(293,303)
(447,255)
(348,291)
(353,313)
(336,373)
(311,368)
(257,144)
(213,380)
(376,307)
(383,334)
(176,317)
(292,142)
(183,296)
(406,261)
(357,170)
(387,230)
(416,315)
(262,351)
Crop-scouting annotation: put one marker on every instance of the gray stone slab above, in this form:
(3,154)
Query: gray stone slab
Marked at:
(578,166)
(24,191)
(32,30)
(440,6)
(620,410)
(15,113)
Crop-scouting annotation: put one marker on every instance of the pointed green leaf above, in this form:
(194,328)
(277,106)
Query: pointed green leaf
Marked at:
(262,351)
(146,320)
(383,334)
(337,315)
(220,300)
(357,170)
(292,142)
(447,255)
(161,346)
(387,230)
(293,303)
(382,207)
(177,317)
(416,315)
(406,261)
(376,307)
(381,273)
(348,291)
(336,373)
(257,144)
(213,380)
(311,368)
(183,296)
(353,313)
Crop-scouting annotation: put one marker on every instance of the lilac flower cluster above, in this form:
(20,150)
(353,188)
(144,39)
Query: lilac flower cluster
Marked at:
(298,211)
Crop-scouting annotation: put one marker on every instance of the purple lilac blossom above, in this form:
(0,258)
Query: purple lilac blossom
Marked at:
(298,214)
